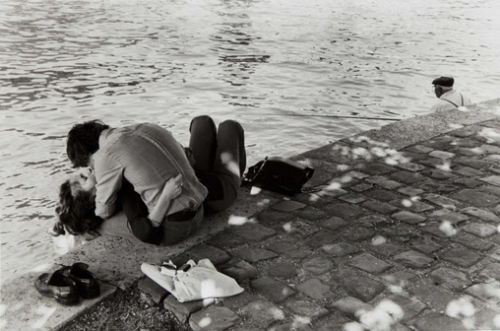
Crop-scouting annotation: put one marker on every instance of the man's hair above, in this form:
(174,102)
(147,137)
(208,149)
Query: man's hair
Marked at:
(76,210)
(83,141)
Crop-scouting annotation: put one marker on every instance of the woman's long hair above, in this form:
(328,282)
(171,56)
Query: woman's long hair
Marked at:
(76,210)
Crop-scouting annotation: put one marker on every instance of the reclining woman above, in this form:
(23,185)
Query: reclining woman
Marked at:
(218,158)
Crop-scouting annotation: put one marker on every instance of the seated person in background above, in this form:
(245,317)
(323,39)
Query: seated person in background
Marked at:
(449,98)
(219,159)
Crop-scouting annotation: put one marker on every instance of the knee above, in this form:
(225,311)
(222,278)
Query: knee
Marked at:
(231,125)
(201,120)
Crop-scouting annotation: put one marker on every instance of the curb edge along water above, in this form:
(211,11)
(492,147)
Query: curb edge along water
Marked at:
(117,261)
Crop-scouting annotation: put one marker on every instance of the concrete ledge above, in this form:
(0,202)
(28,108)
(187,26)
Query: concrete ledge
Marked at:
(117,261)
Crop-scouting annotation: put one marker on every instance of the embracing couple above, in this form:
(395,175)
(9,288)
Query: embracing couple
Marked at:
(138,182)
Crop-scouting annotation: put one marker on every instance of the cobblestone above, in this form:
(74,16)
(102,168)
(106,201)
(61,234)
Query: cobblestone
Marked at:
(315,289)
(413,259)
(461,256)
(369,263)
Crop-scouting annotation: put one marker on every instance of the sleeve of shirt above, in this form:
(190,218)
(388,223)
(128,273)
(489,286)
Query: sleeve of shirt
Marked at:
(109,174)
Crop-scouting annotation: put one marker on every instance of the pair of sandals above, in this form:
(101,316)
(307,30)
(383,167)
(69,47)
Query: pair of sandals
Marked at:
(67,284)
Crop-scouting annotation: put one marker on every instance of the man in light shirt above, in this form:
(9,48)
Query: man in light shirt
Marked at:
(448,97)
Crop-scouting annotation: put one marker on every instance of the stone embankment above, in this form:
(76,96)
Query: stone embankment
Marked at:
(403,235)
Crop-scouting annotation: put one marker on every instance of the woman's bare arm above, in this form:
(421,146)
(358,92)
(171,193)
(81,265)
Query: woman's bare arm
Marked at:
(171,190)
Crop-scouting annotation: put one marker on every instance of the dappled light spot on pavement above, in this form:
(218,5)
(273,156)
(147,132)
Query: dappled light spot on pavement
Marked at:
(263,202)
(240,220)
(205,322)
(353,326)
(406,203)
(378,240)
(446,166)
(490,134)
(448,229)
(460,308)
(287,227)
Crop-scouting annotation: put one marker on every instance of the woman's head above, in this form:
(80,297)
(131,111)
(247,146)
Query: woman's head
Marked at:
(77,204)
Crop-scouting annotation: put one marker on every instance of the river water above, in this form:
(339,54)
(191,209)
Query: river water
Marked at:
(256,61)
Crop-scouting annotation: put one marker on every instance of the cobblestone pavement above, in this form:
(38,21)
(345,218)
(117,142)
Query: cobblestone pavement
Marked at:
(395,240)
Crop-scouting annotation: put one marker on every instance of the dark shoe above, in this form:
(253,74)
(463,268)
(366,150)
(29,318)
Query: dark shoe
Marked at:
(63,289)
(87,284)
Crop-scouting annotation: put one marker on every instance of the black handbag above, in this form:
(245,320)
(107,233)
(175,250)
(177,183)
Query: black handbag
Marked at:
(279,175)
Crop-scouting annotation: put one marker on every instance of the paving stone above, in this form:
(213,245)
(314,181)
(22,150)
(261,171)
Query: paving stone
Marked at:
(386,249)
(469,143)
(369,263)
(492,270)
(490,149)
(435,163)
(437,229)
(381,195)
(381,207)
(253,231)
(383,182)
(490,189)
(288,206)
(410,306)
(376,168)
(214,319)
(240,271)
(401,233)
(351,306)
(441,201)
(487,319)
(306,308)
(425,245)
(375,220)
(412,206)
(493,158)
(270,217)
(311,199)
(468,151)
(413,259)
(407,177)
(283,270)
(439,174)
(470,162)
(298,325)
(272,289)
(447,215)
(440,143)
(480,230)
(183,310)
(352,198)
(468,182)
(449,278)
(476,198)
(315,289)
(494,180)
(361,287)
(472,242)
(469,172)
(435,297)
(298,254)
(410,191)
(361,187)
(320,239)
(332,192)
(255,254)
(333,223)
(466,131)
(263,313)
(284,246)
(226,239)
(151,288)
(439,322)
(215,255)
(408,217)
(489,292)
(334,322)
(461,256)
(409,166)
(340,249)
(299,228)
(420,149)
(236,302)
(442,155)
(358,234)
(312,214)
(343,210)
(399,278)
(495,254)
(318,265)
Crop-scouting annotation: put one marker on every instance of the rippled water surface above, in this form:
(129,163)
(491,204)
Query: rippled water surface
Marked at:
(63,62)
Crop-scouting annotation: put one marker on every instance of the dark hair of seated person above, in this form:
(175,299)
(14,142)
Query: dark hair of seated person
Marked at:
(76,212)
(83,141)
